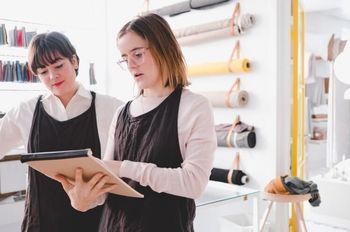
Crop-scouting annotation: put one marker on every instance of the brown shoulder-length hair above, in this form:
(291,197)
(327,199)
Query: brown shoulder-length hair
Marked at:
(46,48)
(163,46)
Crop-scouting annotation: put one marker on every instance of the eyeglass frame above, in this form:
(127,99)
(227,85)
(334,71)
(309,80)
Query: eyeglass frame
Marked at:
(124,62)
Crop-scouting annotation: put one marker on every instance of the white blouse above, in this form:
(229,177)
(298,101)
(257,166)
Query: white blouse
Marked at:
(16,124)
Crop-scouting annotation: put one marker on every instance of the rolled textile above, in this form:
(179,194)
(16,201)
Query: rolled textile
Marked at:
(204,37)
(171,10)
(238,98)
(240,25)
(240,136)
(231,176)
(198,29)
(196,4)
(233,66)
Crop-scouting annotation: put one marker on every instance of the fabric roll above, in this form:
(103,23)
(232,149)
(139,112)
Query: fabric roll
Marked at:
(233,66)
(242,23)
(171,10)
(231,176)
(198,29)
(238,98)
(196,4)
(240,135)
(204,37)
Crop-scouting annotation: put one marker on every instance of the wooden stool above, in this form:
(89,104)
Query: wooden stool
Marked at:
(294,199)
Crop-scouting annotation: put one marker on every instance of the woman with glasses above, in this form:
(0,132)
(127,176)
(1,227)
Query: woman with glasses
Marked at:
(67,117)
(161,143)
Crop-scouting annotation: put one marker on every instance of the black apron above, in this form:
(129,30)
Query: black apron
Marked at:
(151,138)
(47,206)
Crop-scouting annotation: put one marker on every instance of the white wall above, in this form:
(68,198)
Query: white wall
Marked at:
(267,45)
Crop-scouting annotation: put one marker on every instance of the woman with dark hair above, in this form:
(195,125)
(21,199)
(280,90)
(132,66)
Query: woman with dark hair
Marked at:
(67,117)
(162,142)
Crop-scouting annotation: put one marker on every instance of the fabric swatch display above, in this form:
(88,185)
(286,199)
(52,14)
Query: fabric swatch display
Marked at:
(183,7)
(239,135)
(232,98)
(20,37)
(16,71)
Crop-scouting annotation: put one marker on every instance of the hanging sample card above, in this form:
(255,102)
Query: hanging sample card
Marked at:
(66,162)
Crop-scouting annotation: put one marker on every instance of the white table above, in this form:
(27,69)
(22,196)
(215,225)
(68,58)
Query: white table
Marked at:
(220,201)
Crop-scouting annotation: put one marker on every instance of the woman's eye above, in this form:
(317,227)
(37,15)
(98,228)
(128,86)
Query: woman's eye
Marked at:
(138,55)
(59,66)
(42,72)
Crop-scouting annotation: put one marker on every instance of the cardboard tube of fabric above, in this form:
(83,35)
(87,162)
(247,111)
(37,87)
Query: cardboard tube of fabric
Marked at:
(233,66)
(238,98)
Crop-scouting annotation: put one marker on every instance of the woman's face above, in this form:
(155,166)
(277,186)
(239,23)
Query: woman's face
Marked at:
(137,56)
(59,77)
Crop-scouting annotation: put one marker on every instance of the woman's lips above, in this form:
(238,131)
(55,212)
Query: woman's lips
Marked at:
(138,77)
(57,84)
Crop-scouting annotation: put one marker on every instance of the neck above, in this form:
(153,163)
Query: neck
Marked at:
(160,92)
(65,99)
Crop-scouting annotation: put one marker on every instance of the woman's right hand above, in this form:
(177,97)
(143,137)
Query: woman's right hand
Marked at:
(83,195)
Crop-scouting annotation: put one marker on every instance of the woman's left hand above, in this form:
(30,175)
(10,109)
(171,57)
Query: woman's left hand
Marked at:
(83,194)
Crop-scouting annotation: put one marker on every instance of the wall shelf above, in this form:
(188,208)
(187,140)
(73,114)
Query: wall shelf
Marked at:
(21,86)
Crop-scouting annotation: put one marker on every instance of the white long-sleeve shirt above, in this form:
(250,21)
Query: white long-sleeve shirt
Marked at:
(197,142)
(16,124)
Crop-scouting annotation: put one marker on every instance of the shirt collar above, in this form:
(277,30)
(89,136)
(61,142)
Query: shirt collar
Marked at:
(82,92)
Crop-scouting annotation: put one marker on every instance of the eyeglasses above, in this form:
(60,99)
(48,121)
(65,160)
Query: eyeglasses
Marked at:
(137,56)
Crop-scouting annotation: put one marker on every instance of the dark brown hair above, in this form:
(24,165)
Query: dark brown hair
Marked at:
(47,48)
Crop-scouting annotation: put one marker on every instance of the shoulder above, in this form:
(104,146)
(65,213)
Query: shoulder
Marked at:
(191,99)
(25,109)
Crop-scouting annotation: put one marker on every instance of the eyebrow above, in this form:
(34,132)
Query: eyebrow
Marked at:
(132,50)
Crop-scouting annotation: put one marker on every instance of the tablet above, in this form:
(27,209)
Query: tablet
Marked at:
(66,162)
